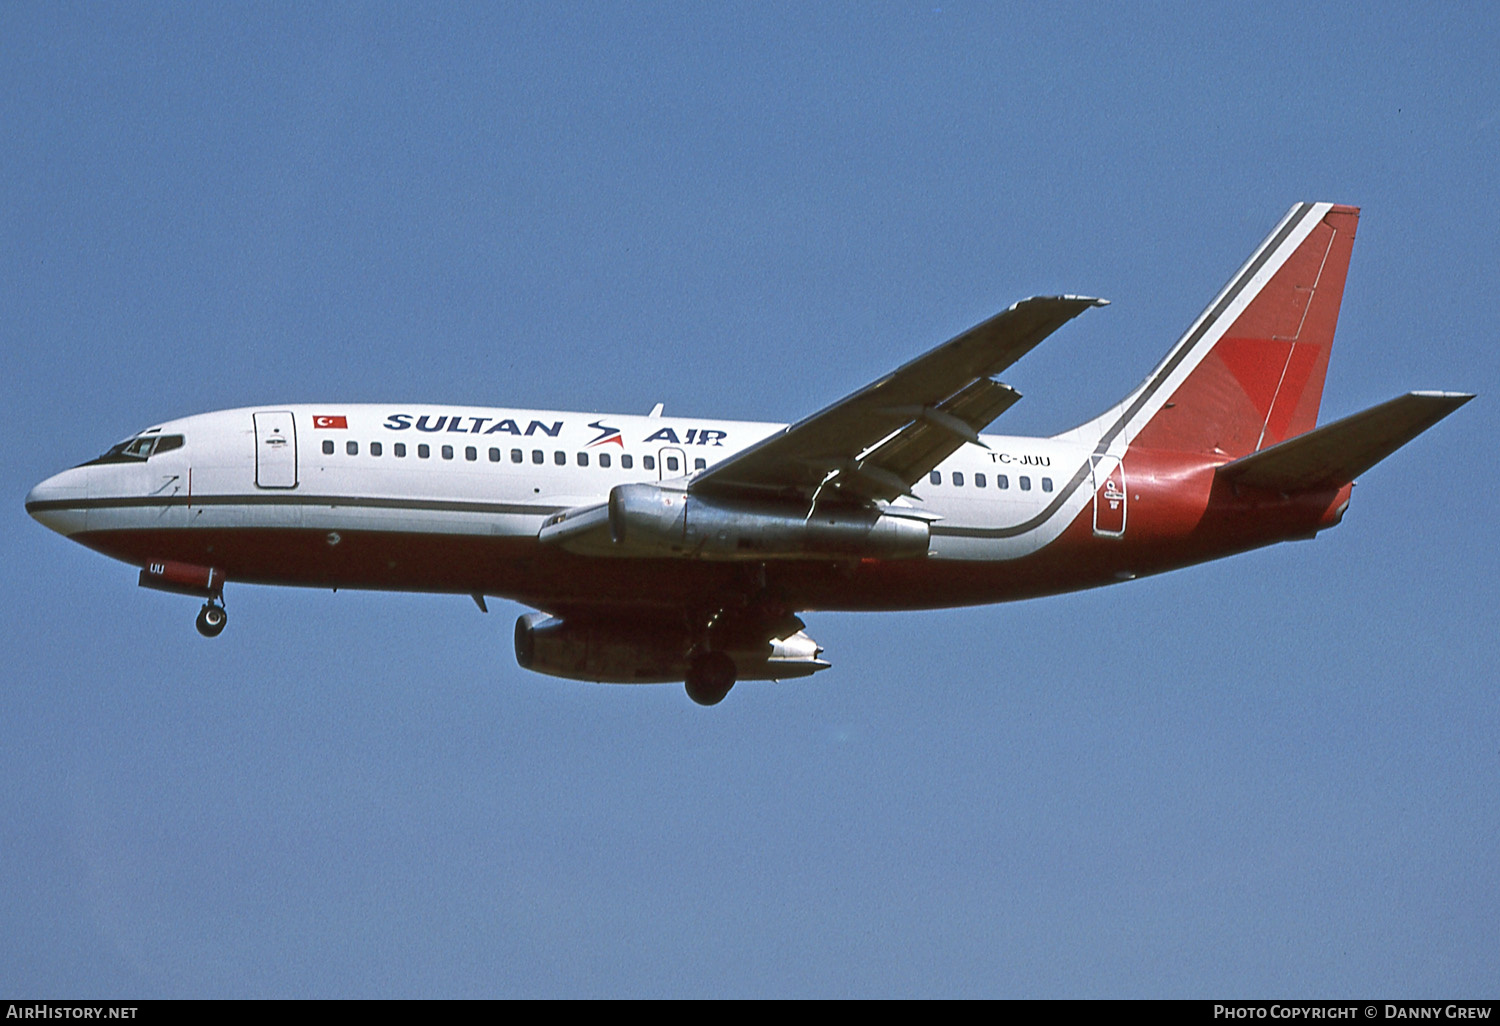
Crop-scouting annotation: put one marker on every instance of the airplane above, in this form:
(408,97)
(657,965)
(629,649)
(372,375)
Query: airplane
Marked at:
(662,549)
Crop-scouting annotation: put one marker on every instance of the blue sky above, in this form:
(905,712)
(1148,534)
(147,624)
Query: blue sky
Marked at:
(1275,775)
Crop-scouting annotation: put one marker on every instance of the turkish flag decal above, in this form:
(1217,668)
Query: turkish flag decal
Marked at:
(331,422)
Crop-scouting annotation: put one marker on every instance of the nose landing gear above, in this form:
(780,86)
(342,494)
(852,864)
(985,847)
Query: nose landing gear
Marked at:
(211,619)
(204,582)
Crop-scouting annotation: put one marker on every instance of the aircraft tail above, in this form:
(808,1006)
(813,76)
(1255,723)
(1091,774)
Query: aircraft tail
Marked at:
(1335,454)
(1249,372)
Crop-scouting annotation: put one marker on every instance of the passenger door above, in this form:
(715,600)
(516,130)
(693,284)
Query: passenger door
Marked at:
(275,450)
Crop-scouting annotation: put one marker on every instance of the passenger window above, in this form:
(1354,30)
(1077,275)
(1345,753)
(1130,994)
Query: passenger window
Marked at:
(494,455)
(516,455)
(1046,484)
(700,463)
(376,449)
(470,453)
(627,461)
(1001,481)
(399,449)
(936,477)
(672,463)
(583,459)
(649,462)
(423,451)
(1025,483)
(352,448)
(537,457)
(604,460)
(978,480)
(327,447)
(958,479)
(447,452)
(560,458)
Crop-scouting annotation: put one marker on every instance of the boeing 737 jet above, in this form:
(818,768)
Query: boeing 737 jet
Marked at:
(684,549)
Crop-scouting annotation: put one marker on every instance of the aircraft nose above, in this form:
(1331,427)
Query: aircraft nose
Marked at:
(54,503)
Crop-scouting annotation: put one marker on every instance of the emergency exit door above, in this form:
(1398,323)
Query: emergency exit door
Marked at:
(670,463)
(275,450)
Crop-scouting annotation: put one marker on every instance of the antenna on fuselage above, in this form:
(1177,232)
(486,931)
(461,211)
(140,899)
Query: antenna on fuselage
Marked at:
(656,411)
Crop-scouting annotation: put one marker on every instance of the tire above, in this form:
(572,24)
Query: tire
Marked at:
(710,676)
(211,621)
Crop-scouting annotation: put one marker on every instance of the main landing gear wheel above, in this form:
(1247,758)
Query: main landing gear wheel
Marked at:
(709,678)
(211,620)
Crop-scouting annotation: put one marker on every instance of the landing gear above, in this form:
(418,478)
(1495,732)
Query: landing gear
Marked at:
(211,620)
(709,678)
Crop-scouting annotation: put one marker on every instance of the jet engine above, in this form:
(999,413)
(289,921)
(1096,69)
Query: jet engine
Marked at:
(647,520)
(615,652)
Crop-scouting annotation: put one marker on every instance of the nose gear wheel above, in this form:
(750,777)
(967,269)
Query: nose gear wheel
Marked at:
(211,620)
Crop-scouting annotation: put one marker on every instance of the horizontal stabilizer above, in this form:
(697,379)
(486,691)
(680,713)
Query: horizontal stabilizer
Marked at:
(1335,454)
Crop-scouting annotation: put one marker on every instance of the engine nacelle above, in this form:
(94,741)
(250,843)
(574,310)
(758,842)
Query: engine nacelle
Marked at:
(645,520)
(614,652)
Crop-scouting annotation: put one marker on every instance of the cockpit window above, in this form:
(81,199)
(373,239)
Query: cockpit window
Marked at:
(138,449)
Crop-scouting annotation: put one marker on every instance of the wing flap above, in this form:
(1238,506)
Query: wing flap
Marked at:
(935,434)
(1337,453)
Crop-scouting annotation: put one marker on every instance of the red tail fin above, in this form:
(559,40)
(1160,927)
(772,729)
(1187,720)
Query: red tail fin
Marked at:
(1249,373)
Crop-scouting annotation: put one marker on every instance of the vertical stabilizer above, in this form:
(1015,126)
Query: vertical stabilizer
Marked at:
(1249,372)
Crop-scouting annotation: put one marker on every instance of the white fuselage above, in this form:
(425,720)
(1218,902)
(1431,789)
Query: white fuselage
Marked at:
(447,470)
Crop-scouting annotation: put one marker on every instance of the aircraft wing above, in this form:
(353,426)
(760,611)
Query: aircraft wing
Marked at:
(879,441)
